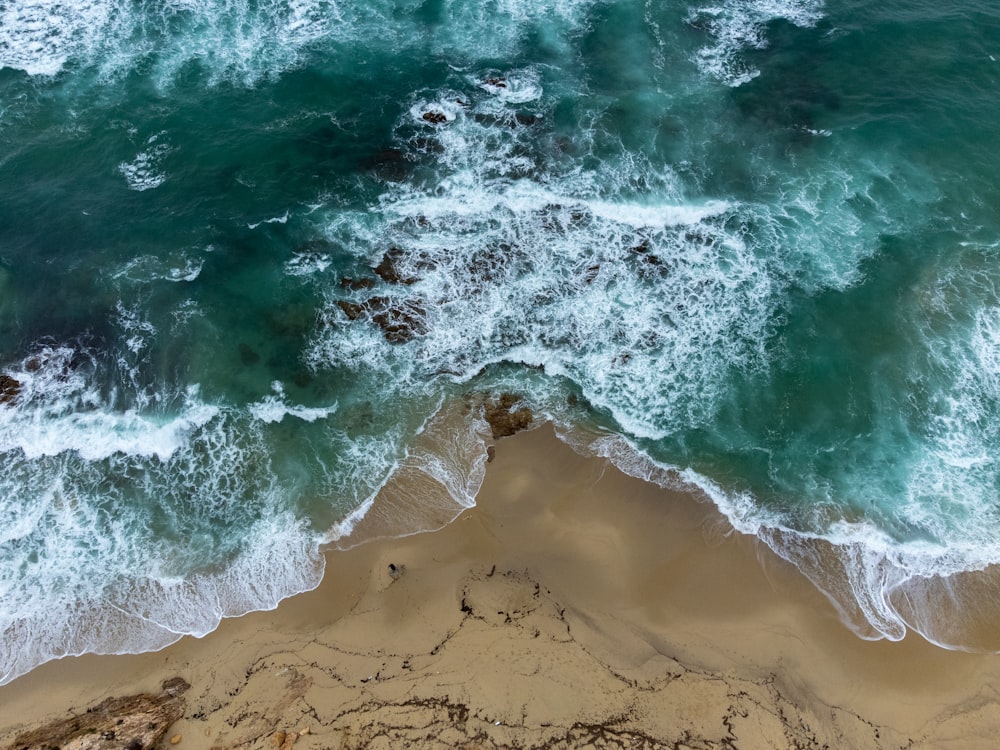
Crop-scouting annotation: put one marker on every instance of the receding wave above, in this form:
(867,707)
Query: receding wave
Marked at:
(122,531)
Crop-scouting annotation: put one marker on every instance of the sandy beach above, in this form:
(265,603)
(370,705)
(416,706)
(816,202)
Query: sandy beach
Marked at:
(572,607)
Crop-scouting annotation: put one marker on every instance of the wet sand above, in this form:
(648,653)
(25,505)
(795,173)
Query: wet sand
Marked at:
(572,607)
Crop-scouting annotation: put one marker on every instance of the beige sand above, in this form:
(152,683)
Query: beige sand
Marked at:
(574,607)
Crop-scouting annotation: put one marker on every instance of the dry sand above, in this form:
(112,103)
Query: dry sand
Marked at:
(573,607)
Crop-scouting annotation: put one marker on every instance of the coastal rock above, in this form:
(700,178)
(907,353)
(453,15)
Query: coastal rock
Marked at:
(388,268)
(400,321)
(137,722)
(10,388)
(435,118)
(503,419)
(352,310)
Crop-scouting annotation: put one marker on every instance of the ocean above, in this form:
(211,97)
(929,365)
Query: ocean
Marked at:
(258,257)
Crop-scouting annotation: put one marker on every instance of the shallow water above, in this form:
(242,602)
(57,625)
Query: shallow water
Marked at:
(254,256)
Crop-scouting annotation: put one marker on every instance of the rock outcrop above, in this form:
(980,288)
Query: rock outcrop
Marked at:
(136,722)
(503,418)
(9,389)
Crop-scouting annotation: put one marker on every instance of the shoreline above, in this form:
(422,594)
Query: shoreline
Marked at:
(572,604)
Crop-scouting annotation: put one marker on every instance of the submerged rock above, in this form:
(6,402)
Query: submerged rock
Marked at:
(248,356)
(503,419)
(137,721)
(390,164)
(10,388)
(355,285)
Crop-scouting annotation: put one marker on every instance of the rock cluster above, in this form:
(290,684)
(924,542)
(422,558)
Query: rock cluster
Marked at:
(400,320)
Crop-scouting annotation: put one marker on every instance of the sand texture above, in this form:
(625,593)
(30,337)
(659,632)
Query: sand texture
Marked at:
(573,607)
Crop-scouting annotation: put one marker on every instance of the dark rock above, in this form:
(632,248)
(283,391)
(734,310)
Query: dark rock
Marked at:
(10,388)
(503,419)
(643,251)
(388,267)
(248,356)
(400,321)
(435,118)
(498,83)
(352,310)
(486,265)
(137,721)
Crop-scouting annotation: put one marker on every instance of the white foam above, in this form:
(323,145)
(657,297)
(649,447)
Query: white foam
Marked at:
(283,219)
(102,594)
(446,106)
(185,266)
(307,263)
(58,409)
(123,532)
(658,216)
(39,36)
(275,408)
(144,171)
(573,273)
(738,25)
(516,87)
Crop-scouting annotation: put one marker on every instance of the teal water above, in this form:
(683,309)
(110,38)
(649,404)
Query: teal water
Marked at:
(250,251)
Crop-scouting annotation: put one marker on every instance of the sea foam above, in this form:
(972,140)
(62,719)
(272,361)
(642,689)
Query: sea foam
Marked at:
(736,26)
(121,531)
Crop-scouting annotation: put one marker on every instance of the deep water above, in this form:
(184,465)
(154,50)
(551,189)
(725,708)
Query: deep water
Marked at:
(253,252)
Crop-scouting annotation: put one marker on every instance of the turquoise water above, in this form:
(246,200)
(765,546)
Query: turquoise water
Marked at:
(252,253)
